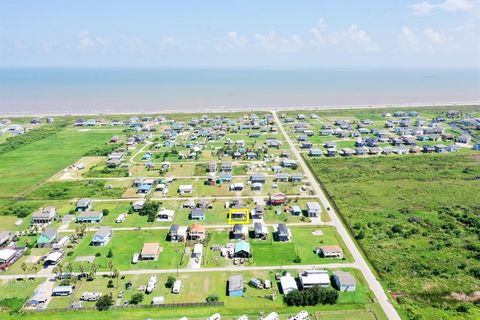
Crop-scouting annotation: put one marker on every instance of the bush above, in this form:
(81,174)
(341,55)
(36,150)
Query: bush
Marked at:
(110,284)
(105,212)
(110,253)
(98,254)
(136,298)
(170,281)
(212,298)
(104,303)
(311,297)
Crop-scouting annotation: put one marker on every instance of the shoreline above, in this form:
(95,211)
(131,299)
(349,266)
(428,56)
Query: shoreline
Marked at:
(221,109)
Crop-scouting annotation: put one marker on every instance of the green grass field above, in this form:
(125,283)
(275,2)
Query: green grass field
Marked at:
(417,219)
(31,164)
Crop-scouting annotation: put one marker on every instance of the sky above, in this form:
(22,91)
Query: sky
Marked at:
(239,33)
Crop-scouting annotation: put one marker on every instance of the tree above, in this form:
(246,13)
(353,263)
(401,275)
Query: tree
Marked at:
(105,212)
(104,303)
(93,271)
(212,298)
(82,270)
(69,267)
(110,253)
(24,267)
(136,298)
(116,274)
(170,281)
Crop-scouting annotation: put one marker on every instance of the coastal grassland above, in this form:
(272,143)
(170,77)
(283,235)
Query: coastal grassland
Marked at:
(14,293)
(196,287)
(417,220)
(29,165)
(79,189)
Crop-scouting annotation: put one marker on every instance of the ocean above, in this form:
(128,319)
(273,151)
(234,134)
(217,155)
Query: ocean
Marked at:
(137,90)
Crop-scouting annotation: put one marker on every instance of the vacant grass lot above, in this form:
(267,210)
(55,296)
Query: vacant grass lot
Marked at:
(29,165)
(80,189)
(417,219)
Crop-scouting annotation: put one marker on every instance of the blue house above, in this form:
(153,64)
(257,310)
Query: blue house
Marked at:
(235,286)
(144,188)
(315,153)
(197,214)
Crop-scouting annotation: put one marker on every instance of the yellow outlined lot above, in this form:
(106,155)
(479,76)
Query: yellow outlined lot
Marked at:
(231,212)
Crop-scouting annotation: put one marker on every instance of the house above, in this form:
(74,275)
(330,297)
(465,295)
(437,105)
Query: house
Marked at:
(62,291)
(239,231)
(314,152)
(296,210)
(150,251)
(242,249)
(235,286)
(212,167)
(288,283)
(462,139)
(277,199)
(47,237)
(331,152)
(237,186)
(197,251)
(314,209)
(272,316)
(296,177)
(288,163)
(90,217)
(5,238)
(256,186)
(260,230)
(281,177)
(44,215)
(258,178)
(54,258)
(344,281)
(258,212)
(311,278)
(197,232)
(224,177)
(330,252)
(226,167)
(197,214)
(166,214)
(84,204)
(185,188)
(283,232)
(102,237)
(8,256)
(178,233)
(138,205)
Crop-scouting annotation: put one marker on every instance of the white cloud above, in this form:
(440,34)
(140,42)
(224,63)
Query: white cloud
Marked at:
(319,31)
(425,7)
(276,42)
(435,37)
(87,42)
(231,40)
(352,38)
(408,39)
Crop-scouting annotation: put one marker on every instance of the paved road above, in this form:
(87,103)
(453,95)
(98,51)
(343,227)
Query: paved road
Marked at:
(360,262)
(219,269)
(208,226)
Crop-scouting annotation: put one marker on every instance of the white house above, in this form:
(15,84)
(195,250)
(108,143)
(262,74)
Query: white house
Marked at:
(102,236)
(288,283)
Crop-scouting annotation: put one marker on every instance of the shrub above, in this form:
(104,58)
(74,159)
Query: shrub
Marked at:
(136,298)
(104,303)
(170,281)
(212,298)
